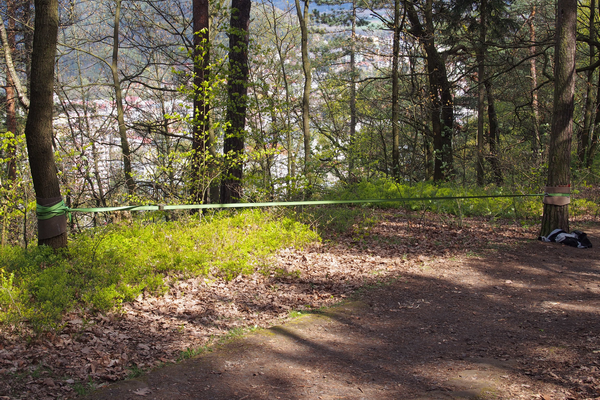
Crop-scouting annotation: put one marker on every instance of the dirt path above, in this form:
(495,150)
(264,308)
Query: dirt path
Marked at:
(516,321)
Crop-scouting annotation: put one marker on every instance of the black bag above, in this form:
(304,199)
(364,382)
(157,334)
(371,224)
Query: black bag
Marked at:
(575,239)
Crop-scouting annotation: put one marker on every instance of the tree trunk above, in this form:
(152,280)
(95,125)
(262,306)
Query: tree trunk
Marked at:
(12,73)
(440,90)
(353,77)
(535,136)
(595,133)
(584,135)
(493,136)
(559,173)
(481,91)
(303,18)
(11,99)
(395,90)
(237,91)
(38,129)
(129,182)
(592,148)
(291,169)
(201,126)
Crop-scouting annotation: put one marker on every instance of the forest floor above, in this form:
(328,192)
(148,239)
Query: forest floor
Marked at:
(411,307)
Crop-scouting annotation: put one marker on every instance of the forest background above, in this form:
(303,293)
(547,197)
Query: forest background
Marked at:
(170,102)
(329,97)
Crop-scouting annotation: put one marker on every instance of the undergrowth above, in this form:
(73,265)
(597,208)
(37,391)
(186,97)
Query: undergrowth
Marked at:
(518,208)
(104,267)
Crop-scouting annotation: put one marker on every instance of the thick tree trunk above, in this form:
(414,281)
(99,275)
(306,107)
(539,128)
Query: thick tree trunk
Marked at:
(127,169)
(38,130)
(237,91)
(200,141)
(559,173)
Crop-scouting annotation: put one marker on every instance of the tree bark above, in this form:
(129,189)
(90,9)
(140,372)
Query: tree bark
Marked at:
(481,92)
(303,18)
(353,77)
(440,90)
(237,92)
(559,173)
(493,135)
(129,182)
(592,147)
(395,94)
(11,97)
(535,108)
(38,129)
(201,126)
(12,73)
(584,135)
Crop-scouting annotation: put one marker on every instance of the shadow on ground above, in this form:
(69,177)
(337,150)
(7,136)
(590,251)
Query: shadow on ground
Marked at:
(511,324)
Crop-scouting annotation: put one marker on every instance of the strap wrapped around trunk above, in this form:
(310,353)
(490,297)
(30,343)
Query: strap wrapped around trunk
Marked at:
(557,195)
(53,226)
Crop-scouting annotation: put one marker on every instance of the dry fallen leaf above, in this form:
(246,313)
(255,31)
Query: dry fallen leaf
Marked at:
(142,391)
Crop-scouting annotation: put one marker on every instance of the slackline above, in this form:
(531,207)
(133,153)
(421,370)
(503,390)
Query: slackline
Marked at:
(61,209)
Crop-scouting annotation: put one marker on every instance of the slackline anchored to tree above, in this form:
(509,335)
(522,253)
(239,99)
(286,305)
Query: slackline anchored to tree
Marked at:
(45,213)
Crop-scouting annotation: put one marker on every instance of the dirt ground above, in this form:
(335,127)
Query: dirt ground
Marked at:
(445,309)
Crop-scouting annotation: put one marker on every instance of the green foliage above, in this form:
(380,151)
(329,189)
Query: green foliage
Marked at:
(105,267)
(493,207)
(15,192)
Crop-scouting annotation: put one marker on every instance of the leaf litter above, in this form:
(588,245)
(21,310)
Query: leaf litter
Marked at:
(94,350)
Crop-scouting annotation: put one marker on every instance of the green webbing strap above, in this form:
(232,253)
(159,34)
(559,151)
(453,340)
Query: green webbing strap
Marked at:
(44,213)
(282,204)
(557,195)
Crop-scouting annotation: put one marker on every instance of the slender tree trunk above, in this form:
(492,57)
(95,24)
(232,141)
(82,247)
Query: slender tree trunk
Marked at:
(595,132)
(535,137)
(129,182)
(291,170)
(8,59)
(493,136)
(481,91)
(395,90)
(353,77)
(201,125)
(592,148)
(440,90)
(38,129)
(584,135)
(303,17)
(11,98)
(231,188)
(559,173)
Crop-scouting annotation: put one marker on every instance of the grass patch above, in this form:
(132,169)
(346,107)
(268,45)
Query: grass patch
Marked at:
(103,268)
(209,347)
